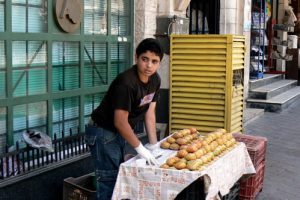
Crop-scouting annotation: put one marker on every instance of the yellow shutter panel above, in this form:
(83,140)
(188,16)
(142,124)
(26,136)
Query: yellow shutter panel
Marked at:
(206,82)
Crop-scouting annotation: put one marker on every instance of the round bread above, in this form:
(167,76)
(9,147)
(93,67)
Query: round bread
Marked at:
(180,165)
(198,143)
(199,153)
(186,131)
(190,156)
(171,140)
(194,164)
(182,153)
(174,146)
(171,161)
(181,141)
(193,130)
(165,166)
(165,145)
(183,146)
(192,148)
(177,135)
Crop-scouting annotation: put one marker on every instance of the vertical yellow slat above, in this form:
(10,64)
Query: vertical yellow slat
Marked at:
(170,83)
(228,84)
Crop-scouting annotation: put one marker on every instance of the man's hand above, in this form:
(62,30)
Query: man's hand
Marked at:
(145,153)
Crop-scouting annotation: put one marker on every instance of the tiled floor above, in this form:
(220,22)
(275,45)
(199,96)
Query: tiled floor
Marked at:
(282,173)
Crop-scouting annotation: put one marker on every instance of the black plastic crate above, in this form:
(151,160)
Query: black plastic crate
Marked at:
(194,191)
(233,193)
(81,188)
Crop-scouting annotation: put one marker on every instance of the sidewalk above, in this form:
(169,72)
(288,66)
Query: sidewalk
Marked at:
(282,173)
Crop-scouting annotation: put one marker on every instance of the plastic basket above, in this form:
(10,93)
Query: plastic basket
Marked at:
(256,146)
(233,193)
(194,191)
(81,188)
(250,187)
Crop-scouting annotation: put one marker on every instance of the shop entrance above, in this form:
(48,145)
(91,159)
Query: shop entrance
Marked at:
(204,16)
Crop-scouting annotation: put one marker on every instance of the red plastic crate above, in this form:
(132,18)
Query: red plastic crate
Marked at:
(256,146)
(250,187)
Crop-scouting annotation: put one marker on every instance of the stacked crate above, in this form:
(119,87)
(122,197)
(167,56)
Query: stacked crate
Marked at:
(256,147)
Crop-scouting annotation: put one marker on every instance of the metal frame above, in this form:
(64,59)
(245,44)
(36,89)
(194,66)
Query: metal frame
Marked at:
(55,35)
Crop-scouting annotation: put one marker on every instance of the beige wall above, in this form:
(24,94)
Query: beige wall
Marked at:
(146,12)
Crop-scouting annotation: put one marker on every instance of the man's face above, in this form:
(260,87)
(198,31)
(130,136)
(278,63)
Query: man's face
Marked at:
(147,64)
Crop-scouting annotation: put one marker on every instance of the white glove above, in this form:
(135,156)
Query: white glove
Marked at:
(151,147)
(145,153)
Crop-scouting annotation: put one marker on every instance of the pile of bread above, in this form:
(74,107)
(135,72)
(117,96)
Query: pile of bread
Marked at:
(195,150)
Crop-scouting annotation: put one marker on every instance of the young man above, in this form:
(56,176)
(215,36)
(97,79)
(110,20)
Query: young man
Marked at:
(130,98)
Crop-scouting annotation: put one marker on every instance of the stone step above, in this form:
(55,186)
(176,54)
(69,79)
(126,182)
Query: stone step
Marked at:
(277,103)
(267,79)
(272,89)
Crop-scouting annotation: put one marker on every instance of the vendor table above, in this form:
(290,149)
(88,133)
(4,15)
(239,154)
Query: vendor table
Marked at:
(136,180)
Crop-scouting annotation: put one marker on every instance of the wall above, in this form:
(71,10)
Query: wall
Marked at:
(146,12)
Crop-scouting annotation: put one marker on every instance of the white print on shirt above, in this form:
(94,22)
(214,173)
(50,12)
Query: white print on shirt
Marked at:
(147,99)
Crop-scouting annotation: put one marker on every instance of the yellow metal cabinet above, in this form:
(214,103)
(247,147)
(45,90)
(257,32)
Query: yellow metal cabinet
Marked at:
(206,82)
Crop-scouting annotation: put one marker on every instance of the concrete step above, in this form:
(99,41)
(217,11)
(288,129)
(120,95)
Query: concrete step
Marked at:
(267,79)
(272,89)
(277,103)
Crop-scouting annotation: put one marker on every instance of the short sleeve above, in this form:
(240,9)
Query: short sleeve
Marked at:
(122,97)
(156,96)
(157,92)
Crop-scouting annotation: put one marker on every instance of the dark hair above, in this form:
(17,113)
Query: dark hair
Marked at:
(149,44)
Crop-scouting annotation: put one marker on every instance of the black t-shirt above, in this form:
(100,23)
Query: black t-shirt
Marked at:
(128,93)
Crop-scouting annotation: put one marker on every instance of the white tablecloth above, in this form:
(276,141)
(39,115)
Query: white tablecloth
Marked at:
(142,182)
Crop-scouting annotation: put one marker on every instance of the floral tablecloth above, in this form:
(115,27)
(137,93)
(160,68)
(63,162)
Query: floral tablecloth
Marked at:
(136,180)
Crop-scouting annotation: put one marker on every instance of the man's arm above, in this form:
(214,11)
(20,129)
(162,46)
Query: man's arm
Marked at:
(124,128)
(150,123)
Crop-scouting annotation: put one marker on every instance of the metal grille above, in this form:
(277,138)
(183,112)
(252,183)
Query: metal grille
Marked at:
(25,160)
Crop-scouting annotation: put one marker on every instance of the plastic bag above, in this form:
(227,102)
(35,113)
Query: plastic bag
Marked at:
(37,139)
